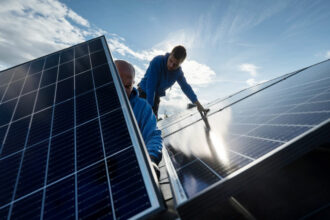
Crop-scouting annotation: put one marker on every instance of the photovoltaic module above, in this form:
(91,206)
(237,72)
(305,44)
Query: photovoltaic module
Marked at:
(69,144)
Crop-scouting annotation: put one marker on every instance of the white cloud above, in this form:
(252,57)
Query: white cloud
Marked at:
(327,55)
(197,73)
(33,28)
(251,82)
(80,20)
(250,68)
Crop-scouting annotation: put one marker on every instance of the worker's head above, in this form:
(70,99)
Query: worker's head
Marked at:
(176,57)
(127,73)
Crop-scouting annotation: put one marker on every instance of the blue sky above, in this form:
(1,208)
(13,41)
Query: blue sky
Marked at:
(231,44)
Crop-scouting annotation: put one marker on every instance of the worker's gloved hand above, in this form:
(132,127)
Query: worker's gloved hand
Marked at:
(201,109)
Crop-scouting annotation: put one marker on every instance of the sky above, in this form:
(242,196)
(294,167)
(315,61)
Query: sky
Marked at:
(231,44)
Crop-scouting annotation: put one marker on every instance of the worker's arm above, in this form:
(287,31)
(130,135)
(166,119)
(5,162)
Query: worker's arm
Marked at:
(186,88)
(188,91)
(150,132)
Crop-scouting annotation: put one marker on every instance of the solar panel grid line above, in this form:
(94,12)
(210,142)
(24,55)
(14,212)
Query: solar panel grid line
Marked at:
(275,118)
(230,185)
(22,157)
(31,145)
(270,124)
(59,180)
(307,125)
(53,136)
(177,189)
(12,116)
(63,178)
(242,155)
(75,139)
(133,132)
(49,144)
(11,78)
(295,106)
(103,148)
(50,83)
(276,80)
(9,125)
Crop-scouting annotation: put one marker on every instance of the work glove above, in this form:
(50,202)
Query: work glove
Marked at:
(201,109)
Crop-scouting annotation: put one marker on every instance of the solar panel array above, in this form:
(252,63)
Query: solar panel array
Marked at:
(68,145)
(246,135)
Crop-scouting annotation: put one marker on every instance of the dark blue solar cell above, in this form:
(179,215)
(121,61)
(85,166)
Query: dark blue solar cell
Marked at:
(2,134)
(107,99)
(16,137)
(65,71)
(84,82)
(89,144)
(13,90)
(6,111)
(95,45)
(4,212)
(85,107)
(32,174)
(45,98)
(82,64)
(36,66)
(240,128)
(312,107)
(251,147)
(48,77)
(281,133)
(312,118)
(25,105)
(31,83)
(2,91)
(5,76)
(60,200)
(66,55)
(98,58)
(63,117)
(227,162)
(61,157)
(21,71)
(322,97)
(81,50)
(52,60)
(116,136)
(127,186)
(93,193)
(64,90)
(179,159)
(28,208)
(102,75)
(196,173)
(40,127)
(8,174)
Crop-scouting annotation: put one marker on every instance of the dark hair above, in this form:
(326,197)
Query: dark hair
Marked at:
(179,53)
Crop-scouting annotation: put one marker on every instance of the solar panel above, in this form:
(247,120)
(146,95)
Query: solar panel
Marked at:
(245,136)
(70,147)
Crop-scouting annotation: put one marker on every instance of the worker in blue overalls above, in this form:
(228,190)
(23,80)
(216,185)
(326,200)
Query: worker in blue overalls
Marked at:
(162,73)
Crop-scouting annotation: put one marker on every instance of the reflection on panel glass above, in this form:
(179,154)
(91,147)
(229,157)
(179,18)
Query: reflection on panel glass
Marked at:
(245,129)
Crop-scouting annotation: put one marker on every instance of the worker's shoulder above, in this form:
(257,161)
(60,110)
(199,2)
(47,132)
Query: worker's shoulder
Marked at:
(158,59)
(142,104)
